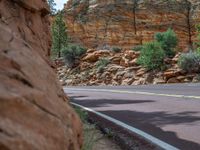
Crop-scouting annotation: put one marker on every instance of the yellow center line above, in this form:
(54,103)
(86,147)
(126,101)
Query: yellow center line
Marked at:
(137,92)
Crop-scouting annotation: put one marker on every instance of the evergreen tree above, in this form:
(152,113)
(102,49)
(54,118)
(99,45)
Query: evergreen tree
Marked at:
(52,5)
(59,34)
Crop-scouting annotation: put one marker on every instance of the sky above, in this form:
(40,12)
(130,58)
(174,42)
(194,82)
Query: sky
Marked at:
(60,4)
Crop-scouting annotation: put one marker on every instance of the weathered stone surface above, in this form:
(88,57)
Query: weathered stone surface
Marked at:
(126,73)
(108,23)
(94,56)
(34,111)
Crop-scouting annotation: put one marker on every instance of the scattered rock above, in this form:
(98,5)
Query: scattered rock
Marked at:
(158,81)
(141,72)
(173,80)
(128,81)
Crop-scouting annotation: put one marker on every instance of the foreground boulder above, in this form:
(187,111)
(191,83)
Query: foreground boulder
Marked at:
(34,111)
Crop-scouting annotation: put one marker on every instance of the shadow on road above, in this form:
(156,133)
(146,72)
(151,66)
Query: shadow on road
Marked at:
(106,102)
(150,122)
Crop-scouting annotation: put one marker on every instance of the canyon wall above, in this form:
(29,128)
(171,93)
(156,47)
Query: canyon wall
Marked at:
(34,111)
(127,23)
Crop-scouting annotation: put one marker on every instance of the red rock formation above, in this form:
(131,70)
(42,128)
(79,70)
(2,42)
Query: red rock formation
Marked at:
(34,111)
(102,23)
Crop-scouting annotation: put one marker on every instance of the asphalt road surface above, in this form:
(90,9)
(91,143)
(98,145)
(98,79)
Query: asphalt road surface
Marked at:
(170,113)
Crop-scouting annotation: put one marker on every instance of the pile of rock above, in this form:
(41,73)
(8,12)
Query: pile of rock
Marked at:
(121,70)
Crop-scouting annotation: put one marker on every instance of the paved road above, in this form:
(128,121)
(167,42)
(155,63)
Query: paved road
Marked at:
(170,113)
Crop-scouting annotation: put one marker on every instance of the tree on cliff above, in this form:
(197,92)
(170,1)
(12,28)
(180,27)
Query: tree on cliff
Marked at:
(186,7)
(189,9)
(52,5)
(59,34)
(135,5)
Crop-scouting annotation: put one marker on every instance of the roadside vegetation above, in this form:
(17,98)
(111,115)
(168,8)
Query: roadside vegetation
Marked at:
(101,64)
(116,49)
(72,54)
(61,45)
(89,131)
(190,62)
(153,53)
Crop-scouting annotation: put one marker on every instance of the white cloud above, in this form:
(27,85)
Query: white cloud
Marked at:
(60,4)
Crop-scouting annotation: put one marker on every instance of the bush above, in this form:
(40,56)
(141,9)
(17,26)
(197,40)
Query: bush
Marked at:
(198,43)
(101,64)
(190,62)
(198,50)
(168,41)
(152,56)
(116,49)
(72,53)
(137,48)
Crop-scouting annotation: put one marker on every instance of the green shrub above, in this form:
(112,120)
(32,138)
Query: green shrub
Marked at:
(190,62)
(152,56)
(72,53)
(198,43)
(137,48)
(168,41)
(82,114)
(101,64)
(198,50)
(116,49)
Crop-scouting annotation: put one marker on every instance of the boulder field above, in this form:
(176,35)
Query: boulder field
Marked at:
(34,112)
(122,69)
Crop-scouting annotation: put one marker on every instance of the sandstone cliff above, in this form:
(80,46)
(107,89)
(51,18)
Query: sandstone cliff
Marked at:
(34,112)
(126,23)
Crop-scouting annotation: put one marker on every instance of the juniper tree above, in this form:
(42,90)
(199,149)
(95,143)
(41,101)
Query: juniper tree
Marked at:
(59,34)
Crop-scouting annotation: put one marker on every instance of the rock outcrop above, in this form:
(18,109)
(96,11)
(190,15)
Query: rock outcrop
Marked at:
(122,69)
(125,23)
(34,111)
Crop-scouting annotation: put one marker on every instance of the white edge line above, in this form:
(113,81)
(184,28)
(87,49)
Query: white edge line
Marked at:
(141,133)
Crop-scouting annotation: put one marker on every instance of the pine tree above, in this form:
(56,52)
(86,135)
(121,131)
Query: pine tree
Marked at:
(52,5)
(59,34)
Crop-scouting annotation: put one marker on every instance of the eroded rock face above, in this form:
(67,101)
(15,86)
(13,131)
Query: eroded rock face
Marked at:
(34,112)
(107,23)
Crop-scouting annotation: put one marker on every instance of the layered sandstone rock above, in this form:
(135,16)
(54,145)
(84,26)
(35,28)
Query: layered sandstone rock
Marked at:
(34,111)
(107,23)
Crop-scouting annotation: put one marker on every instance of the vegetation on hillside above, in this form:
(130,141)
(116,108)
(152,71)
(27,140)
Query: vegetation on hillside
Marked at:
(59,35)
(168,41)
(153,53)
(72,54)
(190,62)
(101,64)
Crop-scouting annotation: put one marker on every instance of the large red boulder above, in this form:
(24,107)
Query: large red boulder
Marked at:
(34,112)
